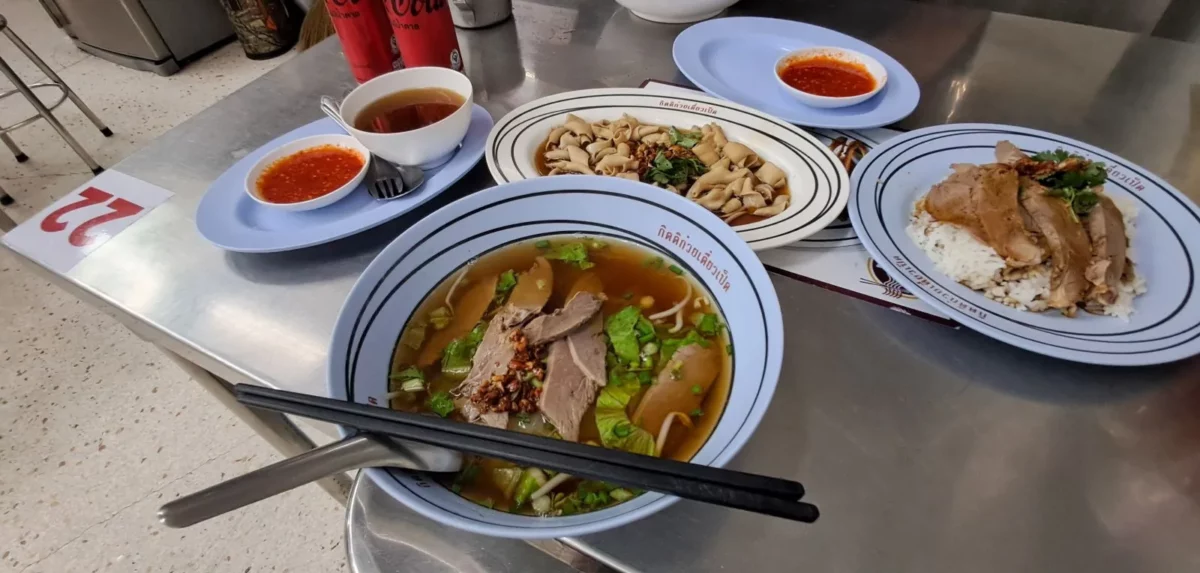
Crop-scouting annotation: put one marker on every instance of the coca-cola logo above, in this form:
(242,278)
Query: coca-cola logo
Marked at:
(415,7)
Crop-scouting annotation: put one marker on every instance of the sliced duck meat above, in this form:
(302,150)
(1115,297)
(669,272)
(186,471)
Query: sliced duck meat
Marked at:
(983,199)
(588,351)
(952,201)
(1070,249)
(999,213)
(577,312)
(691,368)
(1106,228)
(492,358)
(530,295)
(570,387)
(1010,154)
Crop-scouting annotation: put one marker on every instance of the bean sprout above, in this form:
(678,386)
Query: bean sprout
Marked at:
(550,485)
(678,306)
(450,295)
(678,322)
(666,429)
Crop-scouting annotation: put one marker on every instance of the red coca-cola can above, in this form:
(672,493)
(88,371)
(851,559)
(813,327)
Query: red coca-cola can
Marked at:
(425,33)
(366,37)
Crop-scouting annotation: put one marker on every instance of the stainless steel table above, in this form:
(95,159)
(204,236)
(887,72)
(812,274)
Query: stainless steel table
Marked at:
(927,448)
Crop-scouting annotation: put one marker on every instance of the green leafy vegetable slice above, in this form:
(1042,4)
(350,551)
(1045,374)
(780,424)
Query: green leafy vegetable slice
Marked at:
(616,430)
(687,139)
(623,335)
(458,356)
(504,286)
(410,379)
(573,253)
(441,404)
(670,345)
(709,325)
(677,171)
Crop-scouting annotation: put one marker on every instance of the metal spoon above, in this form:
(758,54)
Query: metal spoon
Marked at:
(361,451)
(388,181)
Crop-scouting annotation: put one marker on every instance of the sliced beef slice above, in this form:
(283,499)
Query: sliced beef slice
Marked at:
(570,387)
(495,351)
(1070,249)
(549,327)
(1106,228)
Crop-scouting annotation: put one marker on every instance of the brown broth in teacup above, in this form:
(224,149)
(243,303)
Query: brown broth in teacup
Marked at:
(407,110)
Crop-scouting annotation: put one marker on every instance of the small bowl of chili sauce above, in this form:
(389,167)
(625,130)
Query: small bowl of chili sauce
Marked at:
(309,173)
(828,77)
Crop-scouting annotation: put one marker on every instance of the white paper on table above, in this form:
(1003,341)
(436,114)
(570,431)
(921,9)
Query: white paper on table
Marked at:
(73,227)
(846,269)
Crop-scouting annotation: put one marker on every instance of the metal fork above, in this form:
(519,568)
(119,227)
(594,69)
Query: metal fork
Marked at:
(387,181)
(393,181)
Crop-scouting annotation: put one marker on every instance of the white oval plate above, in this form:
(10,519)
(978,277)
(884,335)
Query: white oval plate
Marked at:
(1165,325)
(429,252)
(818,182)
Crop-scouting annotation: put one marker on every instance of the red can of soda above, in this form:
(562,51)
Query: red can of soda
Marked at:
(425,33)
(366,37)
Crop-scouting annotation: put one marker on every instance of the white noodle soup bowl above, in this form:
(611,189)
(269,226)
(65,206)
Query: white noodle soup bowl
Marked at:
(876,69)
(428,147)
(612,209)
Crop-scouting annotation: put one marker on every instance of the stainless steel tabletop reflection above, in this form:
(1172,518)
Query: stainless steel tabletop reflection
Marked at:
(927,448)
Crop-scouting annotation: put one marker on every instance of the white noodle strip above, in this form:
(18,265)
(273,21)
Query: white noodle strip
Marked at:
(450,295)
(550,485)
(579,364)
(679,306)
(666,428)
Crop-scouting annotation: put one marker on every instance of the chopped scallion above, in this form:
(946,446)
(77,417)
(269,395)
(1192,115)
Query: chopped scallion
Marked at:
(676,269)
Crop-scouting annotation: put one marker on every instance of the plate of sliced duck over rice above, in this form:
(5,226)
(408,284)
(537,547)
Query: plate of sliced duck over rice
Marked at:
(1037,240)
(773,182)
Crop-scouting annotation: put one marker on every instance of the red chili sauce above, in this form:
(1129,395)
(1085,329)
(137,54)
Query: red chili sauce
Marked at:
(308,174)
(829,77)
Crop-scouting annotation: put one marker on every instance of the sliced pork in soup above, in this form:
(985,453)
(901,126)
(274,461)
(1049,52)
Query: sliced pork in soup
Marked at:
(572,338)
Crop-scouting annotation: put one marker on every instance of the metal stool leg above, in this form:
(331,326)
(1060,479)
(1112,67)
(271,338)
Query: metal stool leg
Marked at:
(16,151)
(33,57)
(6,222)
(49,117)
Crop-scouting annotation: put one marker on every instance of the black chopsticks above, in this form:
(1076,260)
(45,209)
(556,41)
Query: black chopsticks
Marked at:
(761,494)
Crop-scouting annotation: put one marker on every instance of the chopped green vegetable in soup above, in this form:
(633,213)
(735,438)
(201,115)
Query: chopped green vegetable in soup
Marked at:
(573,253)
(586,339)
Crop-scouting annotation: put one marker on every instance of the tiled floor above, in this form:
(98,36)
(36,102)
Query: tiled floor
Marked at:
(96,428)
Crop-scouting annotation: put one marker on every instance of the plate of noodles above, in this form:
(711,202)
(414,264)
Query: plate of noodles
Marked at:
(1035,239)
(771,181)
(578,308)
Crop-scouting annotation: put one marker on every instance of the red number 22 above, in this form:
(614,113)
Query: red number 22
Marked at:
(80,237)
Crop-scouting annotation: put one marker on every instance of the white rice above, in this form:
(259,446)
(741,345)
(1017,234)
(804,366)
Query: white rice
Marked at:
(959,255)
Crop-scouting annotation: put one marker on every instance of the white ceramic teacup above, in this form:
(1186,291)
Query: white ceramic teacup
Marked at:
(429,146)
